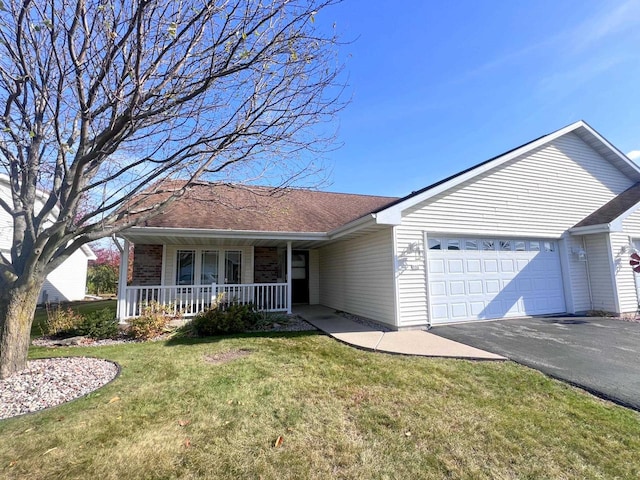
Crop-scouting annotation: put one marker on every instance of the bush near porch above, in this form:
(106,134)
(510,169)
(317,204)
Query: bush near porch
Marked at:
(216,407)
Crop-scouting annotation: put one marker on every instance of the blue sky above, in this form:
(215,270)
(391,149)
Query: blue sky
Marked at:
(437,87)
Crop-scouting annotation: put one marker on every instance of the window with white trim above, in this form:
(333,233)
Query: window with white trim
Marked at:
(185,268)
(208,266)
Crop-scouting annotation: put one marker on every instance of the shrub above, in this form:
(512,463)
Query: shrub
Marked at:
(98,325)
(224,319)
(61,321)
(152,322)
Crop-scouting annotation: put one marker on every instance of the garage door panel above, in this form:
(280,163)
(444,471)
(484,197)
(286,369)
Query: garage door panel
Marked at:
(475,287)
(507,265)
(492,286)
(438,288)
(505,278)
(455,266)
(490,266)
(439,312)
(492,310)
(474,266)
(436,265)
(525,285)
(476,308)
(457,287)
(459,311)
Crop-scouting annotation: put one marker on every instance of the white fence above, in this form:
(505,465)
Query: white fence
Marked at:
(188,300)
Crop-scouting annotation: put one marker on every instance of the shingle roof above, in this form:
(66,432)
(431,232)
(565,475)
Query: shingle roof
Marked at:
(613,209)
(232,207)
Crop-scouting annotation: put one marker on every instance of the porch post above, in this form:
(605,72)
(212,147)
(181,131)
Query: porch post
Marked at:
(289,256)
(122,282)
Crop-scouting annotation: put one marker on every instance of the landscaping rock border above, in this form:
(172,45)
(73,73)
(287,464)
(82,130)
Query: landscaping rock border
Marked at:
(49,382)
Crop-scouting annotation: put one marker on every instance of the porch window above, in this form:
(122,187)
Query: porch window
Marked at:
(204,267)
(298,266)
(209,270)
(233,266)
(185,270)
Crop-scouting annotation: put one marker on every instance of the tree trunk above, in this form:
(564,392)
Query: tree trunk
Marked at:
(17,307)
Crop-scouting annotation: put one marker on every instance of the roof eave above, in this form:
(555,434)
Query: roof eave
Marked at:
(369,220)
(599,228)
(132,232)
(89,253)
(615,225)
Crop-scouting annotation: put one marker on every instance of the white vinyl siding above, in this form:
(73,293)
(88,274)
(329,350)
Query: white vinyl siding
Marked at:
(6,222)
(624,280)
(577,278)
(356,276)
(599,264)
(68,282)
(170,260)
(540,194)
(314,277)
(631,224)
(621,247)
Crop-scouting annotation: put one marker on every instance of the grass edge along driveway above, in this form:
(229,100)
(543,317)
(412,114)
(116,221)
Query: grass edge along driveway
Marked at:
(214,408)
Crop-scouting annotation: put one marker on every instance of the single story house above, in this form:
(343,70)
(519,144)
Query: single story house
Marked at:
(66,283)
(545,228)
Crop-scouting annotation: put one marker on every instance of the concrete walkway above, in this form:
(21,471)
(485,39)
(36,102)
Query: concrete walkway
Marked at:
(407,342)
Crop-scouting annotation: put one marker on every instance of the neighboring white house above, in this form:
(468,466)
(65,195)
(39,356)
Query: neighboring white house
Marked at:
(68,282)
(546,228)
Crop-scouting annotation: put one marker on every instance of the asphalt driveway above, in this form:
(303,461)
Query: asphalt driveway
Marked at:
(601,355)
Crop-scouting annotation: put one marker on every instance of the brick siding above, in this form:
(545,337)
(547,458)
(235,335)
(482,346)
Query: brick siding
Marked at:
(147,264)
(265,265)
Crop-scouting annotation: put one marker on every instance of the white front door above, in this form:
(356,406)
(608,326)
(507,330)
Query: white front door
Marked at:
(488,278)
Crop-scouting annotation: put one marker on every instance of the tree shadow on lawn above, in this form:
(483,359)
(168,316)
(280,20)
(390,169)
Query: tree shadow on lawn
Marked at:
(183,340)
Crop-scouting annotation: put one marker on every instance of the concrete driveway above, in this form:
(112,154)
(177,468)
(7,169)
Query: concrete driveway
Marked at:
(601,355)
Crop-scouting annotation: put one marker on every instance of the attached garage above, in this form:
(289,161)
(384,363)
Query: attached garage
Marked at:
(485,278)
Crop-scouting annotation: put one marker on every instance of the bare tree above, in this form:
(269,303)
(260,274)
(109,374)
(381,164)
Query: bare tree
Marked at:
(103,99)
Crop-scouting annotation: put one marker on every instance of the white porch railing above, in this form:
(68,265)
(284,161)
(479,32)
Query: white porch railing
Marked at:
(188,300)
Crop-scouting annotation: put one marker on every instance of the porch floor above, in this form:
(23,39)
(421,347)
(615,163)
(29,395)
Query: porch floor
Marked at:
(406,342)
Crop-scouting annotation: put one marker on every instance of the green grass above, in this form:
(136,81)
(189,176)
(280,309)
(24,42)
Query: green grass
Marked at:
(83,308)
(342,412)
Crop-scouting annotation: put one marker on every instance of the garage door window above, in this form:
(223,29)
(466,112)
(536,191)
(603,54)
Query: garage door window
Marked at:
(471,244)
(488,245)
(434,244)
(506,245)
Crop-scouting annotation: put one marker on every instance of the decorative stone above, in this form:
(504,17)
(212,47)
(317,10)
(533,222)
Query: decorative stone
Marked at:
(65,342)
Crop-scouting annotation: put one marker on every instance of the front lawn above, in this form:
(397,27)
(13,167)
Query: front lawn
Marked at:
(214,408)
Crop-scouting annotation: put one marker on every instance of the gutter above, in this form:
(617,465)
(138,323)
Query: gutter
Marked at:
(207,233)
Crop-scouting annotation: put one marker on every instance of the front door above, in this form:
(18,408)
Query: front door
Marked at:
(300,276)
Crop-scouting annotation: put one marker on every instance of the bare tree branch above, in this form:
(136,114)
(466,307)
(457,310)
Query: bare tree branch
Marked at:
(101,100)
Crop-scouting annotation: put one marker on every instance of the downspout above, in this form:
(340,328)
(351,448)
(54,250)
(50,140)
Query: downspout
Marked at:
(586,266)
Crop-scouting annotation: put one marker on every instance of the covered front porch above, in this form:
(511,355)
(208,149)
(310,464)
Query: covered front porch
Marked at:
(187,275)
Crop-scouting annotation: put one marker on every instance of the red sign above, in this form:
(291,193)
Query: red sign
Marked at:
(635,262)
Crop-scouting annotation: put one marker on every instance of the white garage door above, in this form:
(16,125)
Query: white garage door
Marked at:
(480,278)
